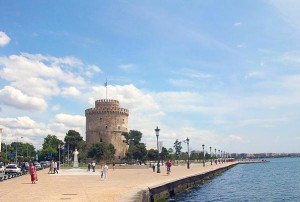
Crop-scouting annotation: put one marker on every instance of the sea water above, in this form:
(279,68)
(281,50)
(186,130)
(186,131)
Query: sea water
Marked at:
(277,180)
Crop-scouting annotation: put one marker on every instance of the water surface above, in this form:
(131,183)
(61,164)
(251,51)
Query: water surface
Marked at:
(277,180)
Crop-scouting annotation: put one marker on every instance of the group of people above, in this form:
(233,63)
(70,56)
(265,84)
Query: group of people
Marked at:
(103,169)
(92,165)
(168,164)
(54,167)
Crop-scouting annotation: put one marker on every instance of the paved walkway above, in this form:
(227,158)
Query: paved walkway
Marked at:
(80,185)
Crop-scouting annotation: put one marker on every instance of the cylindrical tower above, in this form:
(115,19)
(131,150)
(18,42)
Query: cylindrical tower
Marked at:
(105,123)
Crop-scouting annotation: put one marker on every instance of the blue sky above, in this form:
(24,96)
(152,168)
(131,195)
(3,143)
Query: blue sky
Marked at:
(223,73)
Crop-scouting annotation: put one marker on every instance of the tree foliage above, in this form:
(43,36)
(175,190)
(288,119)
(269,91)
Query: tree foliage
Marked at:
(152,154)
(74,140)
(133,137)
(137,152)
(177,146)
(50,147)
(101,151)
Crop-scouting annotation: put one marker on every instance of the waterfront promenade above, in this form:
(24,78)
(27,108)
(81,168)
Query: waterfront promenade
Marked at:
(80,185)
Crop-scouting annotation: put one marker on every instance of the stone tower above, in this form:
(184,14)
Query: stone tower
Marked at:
(105,123)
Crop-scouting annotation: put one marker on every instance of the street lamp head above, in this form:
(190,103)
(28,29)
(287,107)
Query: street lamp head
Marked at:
(187,140)
(210,148)
(203,146)
(157,131)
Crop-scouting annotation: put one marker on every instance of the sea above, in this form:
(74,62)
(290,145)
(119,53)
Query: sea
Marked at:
(276,180)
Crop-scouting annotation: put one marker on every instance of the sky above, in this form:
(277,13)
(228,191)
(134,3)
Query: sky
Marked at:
(222,73)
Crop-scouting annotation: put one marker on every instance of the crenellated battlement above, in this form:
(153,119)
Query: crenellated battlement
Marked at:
(92,111)
(106,103)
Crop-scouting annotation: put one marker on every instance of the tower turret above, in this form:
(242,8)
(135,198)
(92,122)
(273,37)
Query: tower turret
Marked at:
(105,123)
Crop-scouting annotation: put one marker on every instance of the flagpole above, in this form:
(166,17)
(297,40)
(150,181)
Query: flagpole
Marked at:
(106,87)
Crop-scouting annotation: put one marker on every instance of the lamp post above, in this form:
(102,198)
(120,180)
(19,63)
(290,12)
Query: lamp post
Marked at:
(6,147)
(210,156)
(188,149)
(203,156)
(157,134)
(59,148)
(216,160)
(219,156)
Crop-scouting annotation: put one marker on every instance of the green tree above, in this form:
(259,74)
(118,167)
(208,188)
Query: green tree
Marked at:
(164,155)
(74,140)
(101,151)
(152,154)
(50,147)
(177,146)
(137,152)
(133,137)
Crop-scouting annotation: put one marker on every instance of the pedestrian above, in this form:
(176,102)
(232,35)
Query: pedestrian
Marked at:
(32,172)
(23,168)
(55,167)
(113,166)
(153,166)
(51,167)
(168,164)
(89,167)
(104,169)
(94,166)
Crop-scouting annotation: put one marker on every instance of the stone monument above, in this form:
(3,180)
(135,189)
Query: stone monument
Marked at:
(75,165)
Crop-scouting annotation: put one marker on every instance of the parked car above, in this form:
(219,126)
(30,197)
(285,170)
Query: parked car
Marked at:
(38,166)
(12,168)
(43,164)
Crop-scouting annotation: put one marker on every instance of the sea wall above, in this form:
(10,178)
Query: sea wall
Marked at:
(170,189)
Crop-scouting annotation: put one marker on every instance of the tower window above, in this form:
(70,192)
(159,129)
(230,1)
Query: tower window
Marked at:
(119,127)
(100,118)
(100,139)
(105,126)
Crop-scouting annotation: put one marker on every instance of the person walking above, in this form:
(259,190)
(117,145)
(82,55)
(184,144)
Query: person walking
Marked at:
(51,167)
(168,165)
(32,172)
(55,167)
(153,166)
(94,166)
(104,169)
(89,167)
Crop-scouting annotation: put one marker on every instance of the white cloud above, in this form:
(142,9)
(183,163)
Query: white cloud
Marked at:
(194,74)
(31,131)
(237,24)
(18,67)
(70,120)
(254,74)
(55,108)
(94,68)
(70,91)
(37,87)
(127,67)
(62,123)
(4,39)
(242,45)
(14,97)
(23,122)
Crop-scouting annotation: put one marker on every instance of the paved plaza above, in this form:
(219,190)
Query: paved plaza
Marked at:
(81,185)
